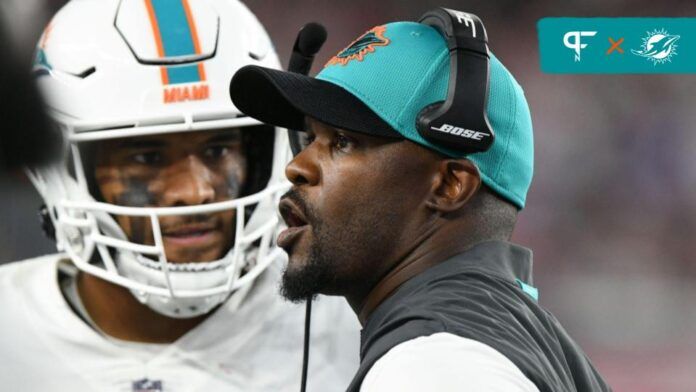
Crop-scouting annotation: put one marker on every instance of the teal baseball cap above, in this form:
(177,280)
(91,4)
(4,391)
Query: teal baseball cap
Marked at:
(378,85)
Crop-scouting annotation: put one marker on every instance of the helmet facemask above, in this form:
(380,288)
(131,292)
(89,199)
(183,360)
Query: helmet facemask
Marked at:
(124,224)
(130,69)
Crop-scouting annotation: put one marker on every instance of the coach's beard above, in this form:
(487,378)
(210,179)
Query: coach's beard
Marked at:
(340,254)
(317,273)
(304,282)
(305,279)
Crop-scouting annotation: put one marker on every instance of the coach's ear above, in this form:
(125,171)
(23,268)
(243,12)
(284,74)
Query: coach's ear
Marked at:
(454,183)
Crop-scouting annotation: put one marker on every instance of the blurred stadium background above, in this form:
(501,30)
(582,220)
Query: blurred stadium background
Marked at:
(611,215)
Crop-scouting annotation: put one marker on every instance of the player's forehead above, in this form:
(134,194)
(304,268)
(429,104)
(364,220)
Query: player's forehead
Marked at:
(180,140)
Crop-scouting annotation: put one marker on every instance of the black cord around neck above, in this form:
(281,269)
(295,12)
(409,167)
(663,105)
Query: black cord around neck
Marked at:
(305,355)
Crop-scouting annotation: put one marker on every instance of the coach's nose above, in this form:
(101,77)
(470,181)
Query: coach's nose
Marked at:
(304,168)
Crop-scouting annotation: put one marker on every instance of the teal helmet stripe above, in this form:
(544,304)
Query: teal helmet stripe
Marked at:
(183,74)
(177,39)
(174,28)
(41,60)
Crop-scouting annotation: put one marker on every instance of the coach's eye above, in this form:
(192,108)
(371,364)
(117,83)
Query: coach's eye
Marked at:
(307,139)
(343,142)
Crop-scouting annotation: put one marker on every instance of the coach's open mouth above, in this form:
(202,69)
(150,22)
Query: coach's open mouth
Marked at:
(296,221)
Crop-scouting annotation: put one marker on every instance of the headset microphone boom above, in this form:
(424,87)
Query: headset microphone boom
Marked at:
(307,44)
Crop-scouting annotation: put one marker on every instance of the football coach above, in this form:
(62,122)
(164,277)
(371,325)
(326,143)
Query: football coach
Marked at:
(418,159)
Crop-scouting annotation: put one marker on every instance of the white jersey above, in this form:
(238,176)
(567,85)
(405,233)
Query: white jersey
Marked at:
(445,362)
(45,346)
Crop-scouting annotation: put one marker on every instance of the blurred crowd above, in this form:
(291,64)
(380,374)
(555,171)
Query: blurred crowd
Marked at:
(611,215)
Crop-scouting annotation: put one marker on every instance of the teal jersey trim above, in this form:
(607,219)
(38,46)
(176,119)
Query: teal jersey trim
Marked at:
(528,289)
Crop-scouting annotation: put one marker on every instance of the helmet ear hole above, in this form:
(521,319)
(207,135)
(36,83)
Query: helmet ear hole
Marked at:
(46,221)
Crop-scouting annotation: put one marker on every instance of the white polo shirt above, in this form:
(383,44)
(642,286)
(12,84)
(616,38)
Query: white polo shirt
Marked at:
(444,362)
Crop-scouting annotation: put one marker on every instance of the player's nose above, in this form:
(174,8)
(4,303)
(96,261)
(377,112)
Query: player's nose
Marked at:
(190,182)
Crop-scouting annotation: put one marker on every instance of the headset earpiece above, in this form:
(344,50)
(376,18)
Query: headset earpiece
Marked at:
(460,122)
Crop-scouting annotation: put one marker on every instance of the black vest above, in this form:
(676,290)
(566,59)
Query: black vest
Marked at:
(483,295)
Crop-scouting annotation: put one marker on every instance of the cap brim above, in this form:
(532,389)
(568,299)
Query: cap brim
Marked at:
(285,98)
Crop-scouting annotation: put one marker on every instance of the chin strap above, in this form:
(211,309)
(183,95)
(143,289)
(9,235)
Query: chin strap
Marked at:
(305,354)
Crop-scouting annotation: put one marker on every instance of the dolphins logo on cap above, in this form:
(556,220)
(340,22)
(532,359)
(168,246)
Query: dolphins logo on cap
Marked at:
(659,47)
(359,48)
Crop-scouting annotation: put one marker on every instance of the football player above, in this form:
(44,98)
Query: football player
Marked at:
(163,210)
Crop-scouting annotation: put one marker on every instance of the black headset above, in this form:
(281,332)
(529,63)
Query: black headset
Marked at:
(460,122)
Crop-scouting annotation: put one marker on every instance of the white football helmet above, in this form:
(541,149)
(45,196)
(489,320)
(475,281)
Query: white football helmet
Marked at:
(127,68)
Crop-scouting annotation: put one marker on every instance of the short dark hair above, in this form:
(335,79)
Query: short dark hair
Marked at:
(494,217)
